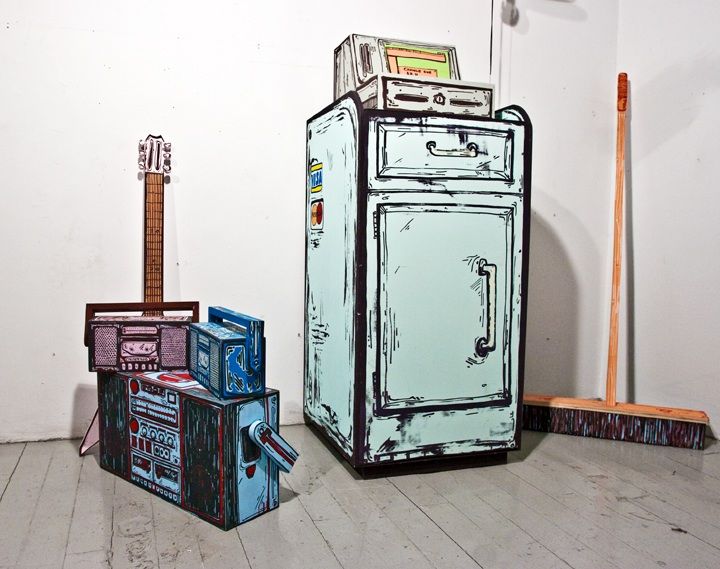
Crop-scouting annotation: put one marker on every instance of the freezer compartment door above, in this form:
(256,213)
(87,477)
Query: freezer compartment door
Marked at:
(444,307)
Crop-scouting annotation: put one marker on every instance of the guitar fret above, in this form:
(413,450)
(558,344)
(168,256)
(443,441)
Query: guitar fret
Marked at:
(154,189)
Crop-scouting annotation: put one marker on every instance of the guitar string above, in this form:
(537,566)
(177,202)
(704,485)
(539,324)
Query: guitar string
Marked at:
(154,237)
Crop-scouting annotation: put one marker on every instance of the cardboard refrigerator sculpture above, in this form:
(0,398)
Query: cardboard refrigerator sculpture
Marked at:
(416,265)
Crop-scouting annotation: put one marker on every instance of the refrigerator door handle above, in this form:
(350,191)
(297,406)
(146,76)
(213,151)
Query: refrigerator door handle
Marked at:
(470,151)
(484,345)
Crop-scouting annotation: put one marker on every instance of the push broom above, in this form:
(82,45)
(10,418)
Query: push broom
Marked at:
(608,419)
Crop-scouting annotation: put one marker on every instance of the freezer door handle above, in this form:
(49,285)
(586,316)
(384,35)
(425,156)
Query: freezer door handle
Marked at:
(485,344)
(470,151)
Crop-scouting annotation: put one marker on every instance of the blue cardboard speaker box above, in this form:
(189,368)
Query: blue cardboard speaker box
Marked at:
(215,454)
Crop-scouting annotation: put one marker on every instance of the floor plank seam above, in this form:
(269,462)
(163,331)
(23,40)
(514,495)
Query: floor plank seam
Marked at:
(526,533)
(322,535)
(154,532)
(538,512)
(646,493)
(13,471)
(659,495)
(409,538)
(436,524)
(660,519)
(694,468)
(23,545)
(72,513)
(111,552)
(530,536)
(554,499)
(247,558)
(557,459)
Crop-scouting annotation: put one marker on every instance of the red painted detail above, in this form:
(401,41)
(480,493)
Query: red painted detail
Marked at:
(175,377)
(266,437)
(133,441)
(268,462)
(221,418)
(251,470)
(134,425)
(134,386)
(319,213)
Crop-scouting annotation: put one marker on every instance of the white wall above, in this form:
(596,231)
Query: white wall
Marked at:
(560,60)
(672,57)
(230,84)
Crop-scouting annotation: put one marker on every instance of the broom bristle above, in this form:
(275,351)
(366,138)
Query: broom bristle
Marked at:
(614,426)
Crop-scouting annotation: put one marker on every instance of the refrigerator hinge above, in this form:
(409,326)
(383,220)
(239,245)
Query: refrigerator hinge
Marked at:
(375,225)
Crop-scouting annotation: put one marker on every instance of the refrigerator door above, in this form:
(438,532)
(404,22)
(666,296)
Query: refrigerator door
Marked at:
(444,317)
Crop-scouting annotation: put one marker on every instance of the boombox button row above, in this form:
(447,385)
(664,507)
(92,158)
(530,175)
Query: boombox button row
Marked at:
(138,367)
(156,488)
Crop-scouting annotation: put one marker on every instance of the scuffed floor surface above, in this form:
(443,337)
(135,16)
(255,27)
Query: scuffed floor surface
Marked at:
(560,502)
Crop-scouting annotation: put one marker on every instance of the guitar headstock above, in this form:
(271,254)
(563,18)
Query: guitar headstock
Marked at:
(154,155)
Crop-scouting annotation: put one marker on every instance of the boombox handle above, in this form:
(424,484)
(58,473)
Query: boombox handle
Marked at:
(92,309)
(254,337)
(217,314)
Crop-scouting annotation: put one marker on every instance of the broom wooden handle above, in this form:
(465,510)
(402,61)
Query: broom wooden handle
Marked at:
(611,381)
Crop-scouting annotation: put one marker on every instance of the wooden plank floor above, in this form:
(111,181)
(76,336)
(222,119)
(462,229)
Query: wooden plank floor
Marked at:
(565,502)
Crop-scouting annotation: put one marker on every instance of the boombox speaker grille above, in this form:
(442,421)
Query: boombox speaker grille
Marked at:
(113,401)
(202,458)
(215,365)
(173,347)
(193,351)
(106,346)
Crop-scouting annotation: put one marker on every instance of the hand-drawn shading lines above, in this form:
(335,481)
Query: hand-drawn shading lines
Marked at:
(430,205)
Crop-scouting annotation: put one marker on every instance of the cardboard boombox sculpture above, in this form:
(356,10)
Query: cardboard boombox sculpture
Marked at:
(215,455)
(217,458)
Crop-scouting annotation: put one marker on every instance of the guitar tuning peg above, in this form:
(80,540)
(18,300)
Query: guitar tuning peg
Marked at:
(167,146)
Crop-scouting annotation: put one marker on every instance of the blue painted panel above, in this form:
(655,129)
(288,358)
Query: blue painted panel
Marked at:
(416,265)
(257,475)
(227,354)
(167,434)
(331,278)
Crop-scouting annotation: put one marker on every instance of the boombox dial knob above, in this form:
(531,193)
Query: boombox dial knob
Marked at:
(143,431)
(171,442)
(161,437)
(153,434)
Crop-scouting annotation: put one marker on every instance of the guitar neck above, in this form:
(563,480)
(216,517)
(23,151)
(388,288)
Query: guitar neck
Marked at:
(153,269)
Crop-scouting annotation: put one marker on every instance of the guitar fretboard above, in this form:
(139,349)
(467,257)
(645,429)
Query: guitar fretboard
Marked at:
(154,189)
